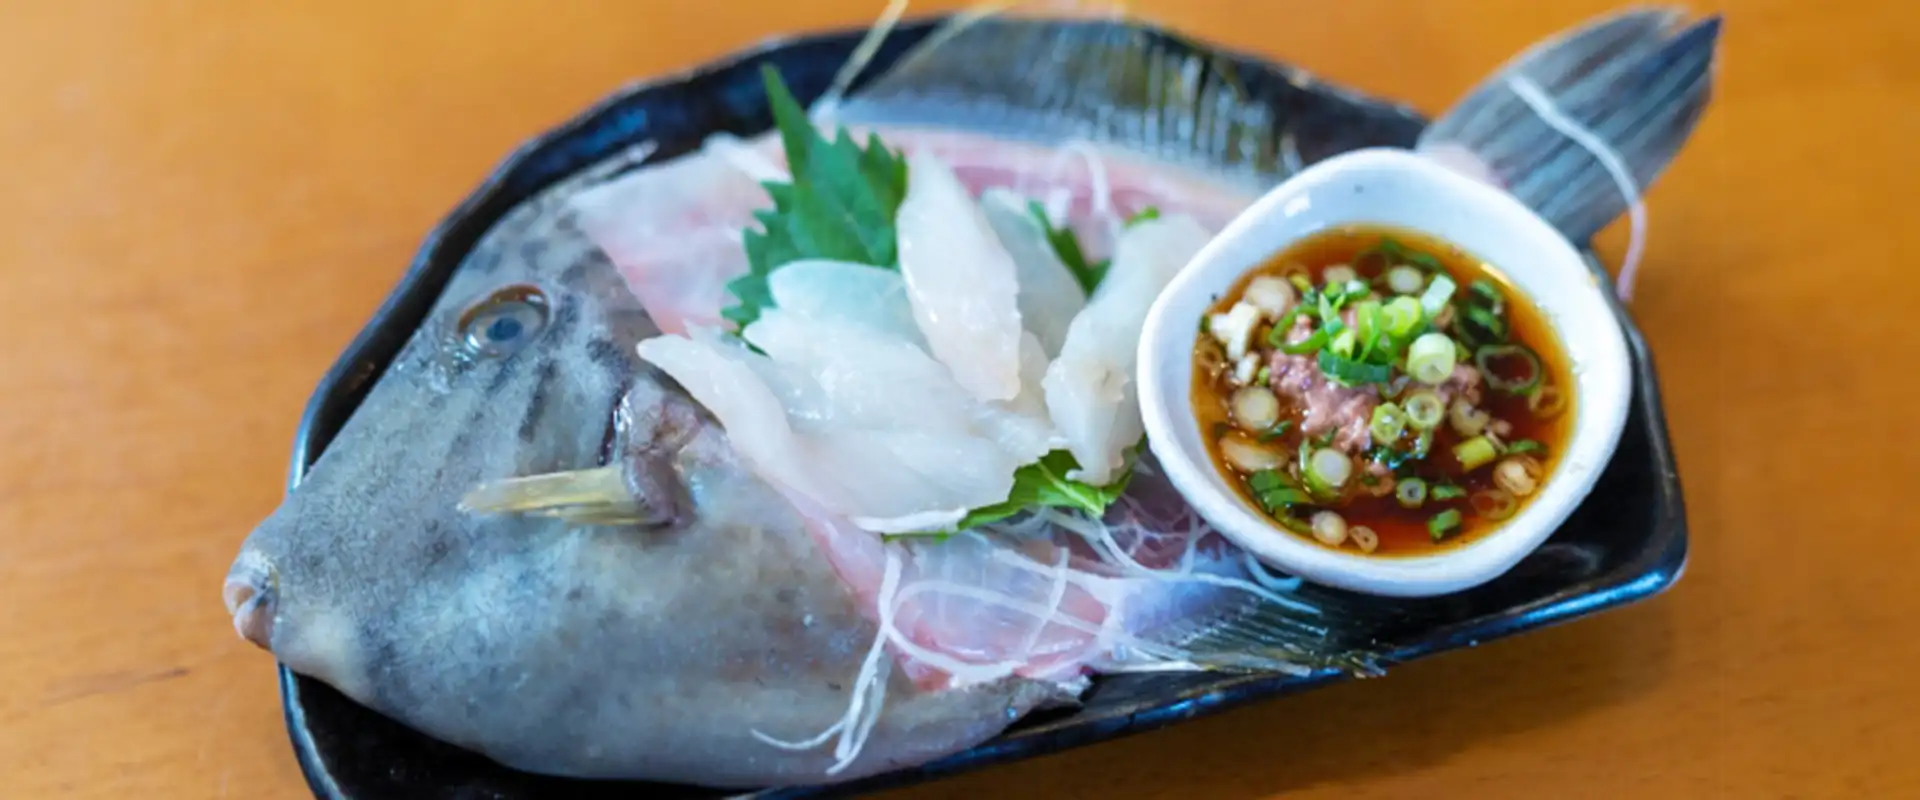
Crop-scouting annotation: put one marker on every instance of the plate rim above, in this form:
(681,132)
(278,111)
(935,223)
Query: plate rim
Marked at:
(370,352)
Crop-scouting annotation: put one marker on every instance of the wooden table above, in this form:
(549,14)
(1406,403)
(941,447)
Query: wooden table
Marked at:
(204,202)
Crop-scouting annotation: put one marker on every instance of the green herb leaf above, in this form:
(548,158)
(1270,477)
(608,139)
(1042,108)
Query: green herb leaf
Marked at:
(1044,483)
(1443,523)
(1067,247)
(1396,253)
(1447,491)
(840,204)
(1525,446)
(1143,215)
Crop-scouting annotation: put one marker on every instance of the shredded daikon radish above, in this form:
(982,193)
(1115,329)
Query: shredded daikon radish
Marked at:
(859,720)
(1099,532)
(1550,113)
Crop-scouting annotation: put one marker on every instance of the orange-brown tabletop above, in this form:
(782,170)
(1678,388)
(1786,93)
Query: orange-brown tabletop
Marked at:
(204,202)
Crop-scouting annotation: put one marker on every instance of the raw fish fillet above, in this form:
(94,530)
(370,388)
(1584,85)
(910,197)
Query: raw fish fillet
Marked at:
(960,281)
(1091,387)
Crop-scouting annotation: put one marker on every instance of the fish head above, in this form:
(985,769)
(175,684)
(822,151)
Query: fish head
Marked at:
(518,369)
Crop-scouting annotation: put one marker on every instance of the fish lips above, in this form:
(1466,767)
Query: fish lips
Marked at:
(251,597)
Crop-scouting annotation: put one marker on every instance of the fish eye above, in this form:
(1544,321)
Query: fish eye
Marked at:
(504,321)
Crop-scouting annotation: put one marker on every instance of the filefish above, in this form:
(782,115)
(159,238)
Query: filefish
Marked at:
(529,542)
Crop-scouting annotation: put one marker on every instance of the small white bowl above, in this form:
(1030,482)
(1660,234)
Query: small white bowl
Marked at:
(1401,189)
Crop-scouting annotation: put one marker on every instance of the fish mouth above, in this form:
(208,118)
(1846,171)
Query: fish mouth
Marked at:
(250,598)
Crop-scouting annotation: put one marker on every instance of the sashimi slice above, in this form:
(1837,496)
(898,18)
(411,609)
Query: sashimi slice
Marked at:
(857,293)
(1091,388)
(960,280)
(1049,294)
(885,479)
(673,230)
(862,343)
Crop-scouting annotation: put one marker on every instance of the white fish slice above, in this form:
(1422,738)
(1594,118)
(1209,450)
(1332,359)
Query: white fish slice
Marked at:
(1049,294)
(845,453)
(960,280)
(1090,388)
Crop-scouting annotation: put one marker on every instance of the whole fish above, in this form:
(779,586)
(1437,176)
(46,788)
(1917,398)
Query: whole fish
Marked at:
(639,601)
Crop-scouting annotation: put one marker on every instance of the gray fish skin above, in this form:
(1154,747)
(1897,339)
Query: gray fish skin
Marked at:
(597,652)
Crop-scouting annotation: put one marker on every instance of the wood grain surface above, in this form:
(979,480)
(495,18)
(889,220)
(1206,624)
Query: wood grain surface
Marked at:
(203,202)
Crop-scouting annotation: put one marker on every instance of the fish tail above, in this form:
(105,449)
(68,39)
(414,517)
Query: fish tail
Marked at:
(1566,123)
(1263,635)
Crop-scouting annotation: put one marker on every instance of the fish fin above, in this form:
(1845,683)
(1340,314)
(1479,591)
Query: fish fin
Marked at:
(1629,79)
(1091,75)
(599,496)
(1265,636)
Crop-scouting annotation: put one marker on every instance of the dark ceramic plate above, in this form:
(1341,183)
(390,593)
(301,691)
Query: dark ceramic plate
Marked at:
(1627,541)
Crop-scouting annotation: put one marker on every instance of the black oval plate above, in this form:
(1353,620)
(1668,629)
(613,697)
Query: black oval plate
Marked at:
(1626,542)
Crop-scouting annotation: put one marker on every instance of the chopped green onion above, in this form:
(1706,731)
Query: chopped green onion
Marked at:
(1352,372)
(1410,492)
(1526,446)
(1277,493)
(1403,316)
(1430,359)
(1143,215)
(1357,288)
(1300,282)
(1424,410)
(1475,453)
(1329,308)
(1494,504)
(1387,248)
(1277,335)
(1314,341)
(1388,423)
(1443,523)
(1447,491)
(1495,328)
(1371,323)
(1438,293)
(1343,342)
(1337,275)
(1546,401)
(1422,443)
(1405,280)
(1485,356)
(1486,289)
(1467,420)
(1327,470)
(1261,376)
